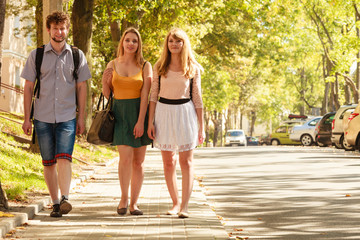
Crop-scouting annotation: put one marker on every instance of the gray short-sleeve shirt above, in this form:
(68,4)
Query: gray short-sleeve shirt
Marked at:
(57,99)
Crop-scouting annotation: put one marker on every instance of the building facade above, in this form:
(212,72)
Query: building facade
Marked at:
(15,51)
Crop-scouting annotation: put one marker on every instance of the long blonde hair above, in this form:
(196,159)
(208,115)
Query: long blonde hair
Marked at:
(188,62)
(139,55)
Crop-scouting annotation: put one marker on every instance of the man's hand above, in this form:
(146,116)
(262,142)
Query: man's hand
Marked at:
(80,127)
(27,127)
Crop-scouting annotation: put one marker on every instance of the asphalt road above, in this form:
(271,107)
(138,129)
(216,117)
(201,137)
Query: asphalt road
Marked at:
(283,192)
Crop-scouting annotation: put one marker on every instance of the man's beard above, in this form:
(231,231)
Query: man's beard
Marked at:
(58,41)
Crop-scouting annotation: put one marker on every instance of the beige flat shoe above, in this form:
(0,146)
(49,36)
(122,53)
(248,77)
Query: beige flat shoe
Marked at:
(172,212)
(183,215)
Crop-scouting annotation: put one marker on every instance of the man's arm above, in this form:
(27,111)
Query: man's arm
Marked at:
(28,91)
(81,101)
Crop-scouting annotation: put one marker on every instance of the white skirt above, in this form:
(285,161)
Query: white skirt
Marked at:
(176,127)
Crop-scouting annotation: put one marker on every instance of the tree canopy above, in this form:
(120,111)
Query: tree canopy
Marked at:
(263,59)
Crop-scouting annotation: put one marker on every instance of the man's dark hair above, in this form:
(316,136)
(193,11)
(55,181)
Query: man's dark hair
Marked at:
(57,17)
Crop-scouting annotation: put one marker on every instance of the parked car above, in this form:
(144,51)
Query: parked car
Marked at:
(323,130)
(281,135)
(305,133)
(352,131)
(264,140)
(235,137)
(252,141)
(337,135)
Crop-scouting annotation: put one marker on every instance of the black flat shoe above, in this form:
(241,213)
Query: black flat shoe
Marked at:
(56,211)
(136,212)
(122,211)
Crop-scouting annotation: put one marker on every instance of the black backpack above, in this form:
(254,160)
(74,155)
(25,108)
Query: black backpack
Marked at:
(38,62)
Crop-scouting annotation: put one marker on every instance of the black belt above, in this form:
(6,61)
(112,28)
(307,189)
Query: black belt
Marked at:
(174,101)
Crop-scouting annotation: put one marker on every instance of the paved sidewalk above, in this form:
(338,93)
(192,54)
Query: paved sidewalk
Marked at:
(94,211)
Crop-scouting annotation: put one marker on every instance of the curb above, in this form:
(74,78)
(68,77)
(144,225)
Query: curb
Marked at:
(23,214)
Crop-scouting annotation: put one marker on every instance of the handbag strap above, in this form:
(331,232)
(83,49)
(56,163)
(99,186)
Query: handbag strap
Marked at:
(109,103)
(102,100)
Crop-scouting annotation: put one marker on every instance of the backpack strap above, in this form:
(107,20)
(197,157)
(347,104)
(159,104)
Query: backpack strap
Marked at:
(76,59)
(38,62)
(36,93)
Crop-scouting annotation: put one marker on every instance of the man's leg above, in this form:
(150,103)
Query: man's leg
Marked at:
(46,139)
(64,175)
(51,179)
(65,140)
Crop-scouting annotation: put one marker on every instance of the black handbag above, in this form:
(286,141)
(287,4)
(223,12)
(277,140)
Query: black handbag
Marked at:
(101,131)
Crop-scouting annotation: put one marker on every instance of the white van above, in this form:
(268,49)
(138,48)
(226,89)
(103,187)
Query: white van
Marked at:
(235,137)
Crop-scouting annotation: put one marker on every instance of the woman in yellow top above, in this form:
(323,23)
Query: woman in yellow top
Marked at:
(129,78)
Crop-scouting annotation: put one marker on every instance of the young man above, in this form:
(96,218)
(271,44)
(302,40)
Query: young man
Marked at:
(55,119)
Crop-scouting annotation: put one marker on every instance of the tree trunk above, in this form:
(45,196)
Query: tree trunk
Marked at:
(81,18)
(325,101)
(357,18)
(347,94)
(216,122)
(114,29)
(39,23)
(241,119)
(336,93)
(3,198)
(302,91)
(207,127)
(253,119)
(2,25)
(331,102)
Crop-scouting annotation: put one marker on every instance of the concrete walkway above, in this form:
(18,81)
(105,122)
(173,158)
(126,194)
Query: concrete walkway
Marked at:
(94,211)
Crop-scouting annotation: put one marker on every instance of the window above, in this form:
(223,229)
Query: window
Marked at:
(351,110)
(235,134)
(314,122)
(281,129)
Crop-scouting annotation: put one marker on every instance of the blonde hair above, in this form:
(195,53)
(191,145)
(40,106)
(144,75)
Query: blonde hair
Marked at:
(188,62)
(138,56)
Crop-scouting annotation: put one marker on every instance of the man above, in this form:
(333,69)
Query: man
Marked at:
(55,119)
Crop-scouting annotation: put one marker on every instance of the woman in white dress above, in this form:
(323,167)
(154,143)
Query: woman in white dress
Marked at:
(176,114)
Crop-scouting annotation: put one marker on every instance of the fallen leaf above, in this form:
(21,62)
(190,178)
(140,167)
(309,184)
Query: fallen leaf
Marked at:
(2,214)
(108,236)
(347,195)
(238,229)
(259,218)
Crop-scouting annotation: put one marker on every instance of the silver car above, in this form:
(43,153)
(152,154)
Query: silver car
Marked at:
(235,137)
(305,133)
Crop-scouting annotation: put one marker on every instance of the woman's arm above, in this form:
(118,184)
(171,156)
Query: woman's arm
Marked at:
(200,117)
(107,79)
(144,99)
(151,127)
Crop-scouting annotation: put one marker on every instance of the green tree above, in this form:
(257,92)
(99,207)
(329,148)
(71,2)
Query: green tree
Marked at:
(81,17)
(3,198)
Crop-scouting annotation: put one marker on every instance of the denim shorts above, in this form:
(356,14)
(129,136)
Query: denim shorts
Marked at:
(56,140)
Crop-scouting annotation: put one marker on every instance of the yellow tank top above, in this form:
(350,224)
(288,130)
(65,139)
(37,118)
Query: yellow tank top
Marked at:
(127,87)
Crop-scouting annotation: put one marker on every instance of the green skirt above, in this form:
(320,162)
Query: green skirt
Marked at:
(126,113)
